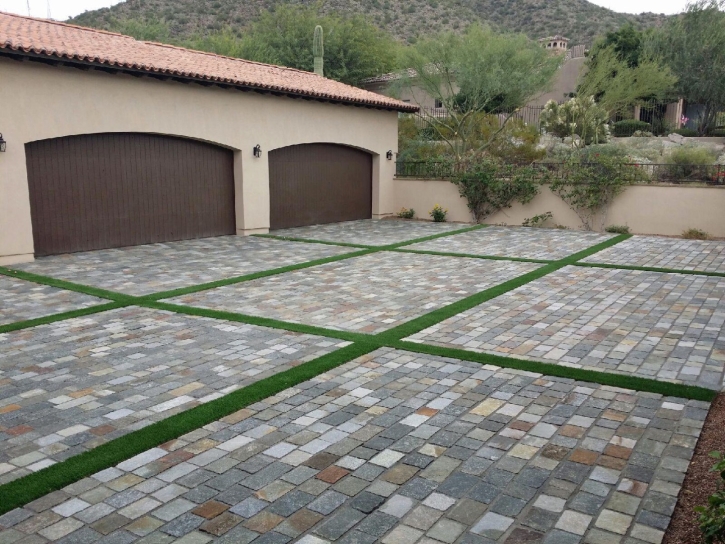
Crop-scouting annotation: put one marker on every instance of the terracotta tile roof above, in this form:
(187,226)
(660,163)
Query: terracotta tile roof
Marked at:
(63,41)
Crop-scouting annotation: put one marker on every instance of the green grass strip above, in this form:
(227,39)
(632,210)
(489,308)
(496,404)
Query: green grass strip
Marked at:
(260,321)
(310,241)
(472,256)
(431,237)
(253,276)
(67,285)
(38,484)
(571,259)
(19,325)
(653,269)
(580,374)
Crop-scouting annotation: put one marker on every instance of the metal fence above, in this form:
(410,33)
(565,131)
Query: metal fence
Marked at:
(710,174)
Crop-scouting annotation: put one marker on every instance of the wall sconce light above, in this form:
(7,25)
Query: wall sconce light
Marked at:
(389,155)
(3,144)
(257,151)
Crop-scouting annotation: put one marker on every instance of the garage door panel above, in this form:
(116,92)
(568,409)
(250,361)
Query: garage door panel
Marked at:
(319,183)
(112,190)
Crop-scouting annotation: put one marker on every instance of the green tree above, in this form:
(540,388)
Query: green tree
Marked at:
(693,46)
(354,48)
(627,43)
(475,73)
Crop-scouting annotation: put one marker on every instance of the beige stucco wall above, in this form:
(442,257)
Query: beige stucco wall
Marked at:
(40,102)
(652,209)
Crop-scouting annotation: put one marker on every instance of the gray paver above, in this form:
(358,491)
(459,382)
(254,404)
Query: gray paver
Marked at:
(476,398)
(22,300)
(369,232)
(140,270)
(648,324)
(368,294)
(517,242)
(74,384)
(672,253)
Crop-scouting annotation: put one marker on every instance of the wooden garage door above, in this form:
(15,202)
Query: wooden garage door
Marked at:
(312,184)
(111,190)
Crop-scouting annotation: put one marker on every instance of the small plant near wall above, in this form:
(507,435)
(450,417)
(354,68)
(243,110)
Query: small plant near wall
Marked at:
(537,220)
(438,214)
(617,229)
(695,234)
(489,186)
(406,213)
(712,516)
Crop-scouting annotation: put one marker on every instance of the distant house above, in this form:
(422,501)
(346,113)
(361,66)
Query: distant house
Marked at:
(563,86)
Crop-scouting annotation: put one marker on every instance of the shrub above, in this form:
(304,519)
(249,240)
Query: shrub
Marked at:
(537,220)
(695,234)
(617,229)
(712,516)
(687,161)
(438,214)
(578,116)
(590,188)
(642,134)
(489,186)
(628,127)
(686,132)
(718,132)
(406,213)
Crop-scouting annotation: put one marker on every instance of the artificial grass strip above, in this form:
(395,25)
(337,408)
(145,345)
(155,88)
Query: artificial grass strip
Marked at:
(31,487)
(431,237)
(260,321)
(253,276)
(61,316)
(579,374)
(594,249)
(310,241)
(473,256)
(67,285)
(653,269)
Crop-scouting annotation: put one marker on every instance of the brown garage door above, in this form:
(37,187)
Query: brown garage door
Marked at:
(319,183)
(111,190)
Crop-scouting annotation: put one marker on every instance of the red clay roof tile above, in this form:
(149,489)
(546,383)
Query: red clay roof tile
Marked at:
(63,41)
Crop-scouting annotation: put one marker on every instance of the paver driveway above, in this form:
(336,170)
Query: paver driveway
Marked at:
(392,447)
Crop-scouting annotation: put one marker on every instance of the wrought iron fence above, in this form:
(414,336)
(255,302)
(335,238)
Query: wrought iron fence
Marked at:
(709,174)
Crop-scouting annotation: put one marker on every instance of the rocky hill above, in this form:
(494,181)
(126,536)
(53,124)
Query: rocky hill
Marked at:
(579,20)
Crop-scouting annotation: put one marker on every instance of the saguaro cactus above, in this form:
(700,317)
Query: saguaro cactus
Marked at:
(318,50)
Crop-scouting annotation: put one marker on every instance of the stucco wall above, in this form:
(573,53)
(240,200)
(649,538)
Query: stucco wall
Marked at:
(40,102)
(652,209)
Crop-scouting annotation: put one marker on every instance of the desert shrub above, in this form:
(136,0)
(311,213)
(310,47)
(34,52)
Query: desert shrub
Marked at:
(617,229)
(712,516)
(642,134)
(686,132)
(579,116)
(687,162)
(718,132)
(695,234)
(438,213)
(489,186)
(406,213)
(589,188)
(538,220)
(628,127)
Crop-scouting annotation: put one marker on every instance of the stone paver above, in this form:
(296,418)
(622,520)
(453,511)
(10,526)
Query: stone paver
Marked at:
(672,253)
(141,270)
(72,385)
(518,242)
(369,294)
(370,232)
(478,469)
(21,300)
(663,326)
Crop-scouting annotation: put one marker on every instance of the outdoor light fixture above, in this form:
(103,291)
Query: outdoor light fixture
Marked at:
(389,155)
(257,151)
(3,144)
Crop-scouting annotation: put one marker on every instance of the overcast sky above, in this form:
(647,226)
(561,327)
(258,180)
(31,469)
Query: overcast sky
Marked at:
(62,9)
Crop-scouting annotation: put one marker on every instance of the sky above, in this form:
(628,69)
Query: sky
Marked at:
(63,9)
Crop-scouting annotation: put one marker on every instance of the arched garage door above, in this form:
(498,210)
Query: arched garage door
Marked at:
(312,184)
(100,191)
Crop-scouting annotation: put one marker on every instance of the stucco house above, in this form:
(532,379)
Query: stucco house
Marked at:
(109,141)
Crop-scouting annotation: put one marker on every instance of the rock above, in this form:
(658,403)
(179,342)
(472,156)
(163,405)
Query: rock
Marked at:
(676,138)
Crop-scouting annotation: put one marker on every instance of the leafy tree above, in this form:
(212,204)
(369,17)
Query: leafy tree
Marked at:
(354,48)
(627,43)
(693,46)
(150,31)
(475,73)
